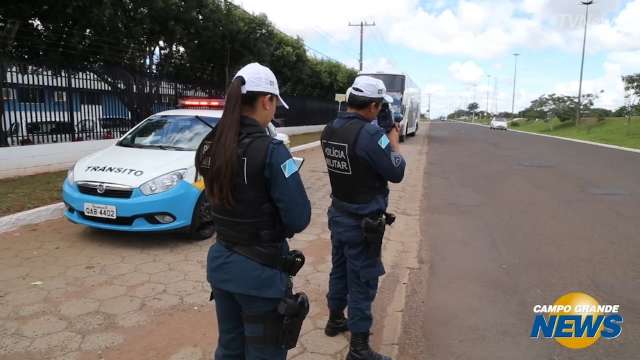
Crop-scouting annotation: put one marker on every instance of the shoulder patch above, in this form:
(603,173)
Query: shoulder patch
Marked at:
(396,159)
(384,141)
(289,168)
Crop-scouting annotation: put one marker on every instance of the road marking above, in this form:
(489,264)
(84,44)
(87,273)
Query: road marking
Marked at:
(615,147)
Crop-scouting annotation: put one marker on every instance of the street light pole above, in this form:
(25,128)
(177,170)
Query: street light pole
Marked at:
(515,74)
(584,43)
(488,87)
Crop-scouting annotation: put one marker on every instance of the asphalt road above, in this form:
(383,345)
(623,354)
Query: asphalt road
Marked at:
(513,220)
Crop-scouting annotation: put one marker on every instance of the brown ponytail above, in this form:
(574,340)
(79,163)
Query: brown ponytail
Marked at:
(225,144)
(224,151)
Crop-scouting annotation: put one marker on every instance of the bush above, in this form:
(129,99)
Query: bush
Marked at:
(515,124)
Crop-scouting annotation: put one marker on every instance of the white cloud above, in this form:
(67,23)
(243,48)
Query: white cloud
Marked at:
(609,87)
(629,61)
(480,29)
(467,72)
(328,18)
(472,29)
(380,64)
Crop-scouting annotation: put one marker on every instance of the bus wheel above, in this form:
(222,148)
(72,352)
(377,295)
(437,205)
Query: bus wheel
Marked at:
(202,226)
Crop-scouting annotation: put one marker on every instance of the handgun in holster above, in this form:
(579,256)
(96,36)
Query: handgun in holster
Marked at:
(294,308)
(373,231)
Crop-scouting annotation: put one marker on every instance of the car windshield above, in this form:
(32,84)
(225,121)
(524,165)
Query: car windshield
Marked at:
(170,132)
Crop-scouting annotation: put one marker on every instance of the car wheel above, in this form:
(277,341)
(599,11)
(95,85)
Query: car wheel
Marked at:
(414,131)
(202,226)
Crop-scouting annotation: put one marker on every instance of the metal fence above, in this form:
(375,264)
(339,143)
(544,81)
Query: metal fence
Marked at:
(41,105)
(305,110)
(44,105)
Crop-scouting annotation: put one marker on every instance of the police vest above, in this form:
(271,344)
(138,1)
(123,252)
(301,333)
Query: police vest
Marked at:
(353,180)
(253,219)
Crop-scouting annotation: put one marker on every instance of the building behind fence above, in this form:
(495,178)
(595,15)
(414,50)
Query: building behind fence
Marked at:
(41,105)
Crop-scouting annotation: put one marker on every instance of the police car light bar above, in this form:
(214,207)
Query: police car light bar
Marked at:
(201,103)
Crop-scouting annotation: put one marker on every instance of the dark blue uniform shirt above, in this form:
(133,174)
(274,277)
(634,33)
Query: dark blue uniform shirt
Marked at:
(373,146)
(235,273)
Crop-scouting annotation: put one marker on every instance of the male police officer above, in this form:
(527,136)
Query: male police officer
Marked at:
(361,159)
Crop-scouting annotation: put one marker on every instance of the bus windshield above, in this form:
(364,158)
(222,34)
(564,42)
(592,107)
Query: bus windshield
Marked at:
(393,83)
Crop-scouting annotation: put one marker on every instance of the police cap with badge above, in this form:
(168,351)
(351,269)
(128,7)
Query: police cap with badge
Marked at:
(352,179)
(252,227)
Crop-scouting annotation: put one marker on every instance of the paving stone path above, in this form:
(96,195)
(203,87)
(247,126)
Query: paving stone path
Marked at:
(72,293)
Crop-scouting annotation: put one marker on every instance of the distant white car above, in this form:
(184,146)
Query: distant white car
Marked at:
(499,124)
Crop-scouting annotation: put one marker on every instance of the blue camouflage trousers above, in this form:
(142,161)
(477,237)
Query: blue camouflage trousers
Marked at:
(353,281)
(232,330)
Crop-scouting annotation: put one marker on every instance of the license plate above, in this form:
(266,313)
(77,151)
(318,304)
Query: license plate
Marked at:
(101,211)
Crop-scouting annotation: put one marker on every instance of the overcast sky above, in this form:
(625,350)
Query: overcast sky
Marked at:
(450,47)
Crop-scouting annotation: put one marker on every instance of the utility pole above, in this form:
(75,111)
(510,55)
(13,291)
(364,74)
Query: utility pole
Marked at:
(515,73)
(584,43)
(362,25)
(429,108)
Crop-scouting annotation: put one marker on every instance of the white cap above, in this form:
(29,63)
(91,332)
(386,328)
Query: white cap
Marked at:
(260,78)
(369,87)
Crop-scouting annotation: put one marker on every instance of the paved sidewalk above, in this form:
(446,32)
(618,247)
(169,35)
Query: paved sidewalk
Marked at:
(68,292)
(399,256)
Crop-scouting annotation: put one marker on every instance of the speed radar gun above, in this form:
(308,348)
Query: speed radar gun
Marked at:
(386,119)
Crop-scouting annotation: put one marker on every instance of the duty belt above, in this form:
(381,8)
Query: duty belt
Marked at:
(269,255)
(388,217)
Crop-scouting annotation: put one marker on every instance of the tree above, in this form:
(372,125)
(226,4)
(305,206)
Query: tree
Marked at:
(632,83)
(632,95)
(132,43)
(473,107)
(560,106)
(459,114)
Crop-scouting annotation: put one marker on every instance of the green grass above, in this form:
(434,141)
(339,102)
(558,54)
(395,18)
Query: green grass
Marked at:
(304,138)
(613,131)
(29,192)
(484,121)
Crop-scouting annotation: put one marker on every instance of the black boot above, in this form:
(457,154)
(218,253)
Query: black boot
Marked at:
(359,348)
(337,323)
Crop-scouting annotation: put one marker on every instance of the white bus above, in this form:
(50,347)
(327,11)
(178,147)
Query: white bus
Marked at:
(406,95)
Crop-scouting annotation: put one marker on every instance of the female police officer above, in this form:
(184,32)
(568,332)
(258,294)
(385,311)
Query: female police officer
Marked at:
(258,200)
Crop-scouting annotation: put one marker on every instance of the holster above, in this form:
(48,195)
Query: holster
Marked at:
(373,232)
(373,228)
(282,327)
(294,309)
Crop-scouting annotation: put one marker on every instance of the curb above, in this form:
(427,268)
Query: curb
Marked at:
(54,211)
(609,146)
(302,147)
(33,216)
(402,245)
(298,130)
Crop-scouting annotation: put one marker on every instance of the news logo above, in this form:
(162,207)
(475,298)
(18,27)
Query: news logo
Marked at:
(576,320)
